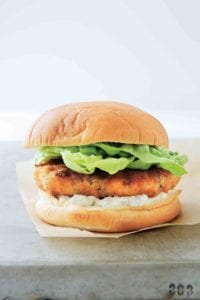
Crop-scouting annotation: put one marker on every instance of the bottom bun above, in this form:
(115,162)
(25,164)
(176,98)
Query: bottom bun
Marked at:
(100,219)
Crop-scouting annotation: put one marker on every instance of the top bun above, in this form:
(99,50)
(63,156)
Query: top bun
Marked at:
(91,122)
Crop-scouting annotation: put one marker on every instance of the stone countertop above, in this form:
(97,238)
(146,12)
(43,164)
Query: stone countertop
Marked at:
(137,266)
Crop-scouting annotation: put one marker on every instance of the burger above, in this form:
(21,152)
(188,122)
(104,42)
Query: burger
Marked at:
(104,167)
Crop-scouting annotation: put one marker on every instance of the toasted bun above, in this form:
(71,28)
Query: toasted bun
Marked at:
(122,219)
(90,122)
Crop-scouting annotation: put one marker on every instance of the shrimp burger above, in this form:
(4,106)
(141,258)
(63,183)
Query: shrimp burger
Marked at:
(105,167)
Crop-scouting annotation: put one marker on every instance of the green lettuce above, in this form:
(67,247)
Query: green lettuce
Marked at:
(113,157)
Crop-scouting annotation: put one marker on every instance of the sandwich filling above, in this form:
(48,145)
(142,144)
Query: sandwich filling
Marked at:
(108,172)
(113,157)
(108,202)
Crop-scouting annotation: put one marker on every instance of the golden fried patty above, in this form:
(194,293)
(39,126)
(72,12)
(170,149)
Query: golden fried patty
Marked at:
(57,179)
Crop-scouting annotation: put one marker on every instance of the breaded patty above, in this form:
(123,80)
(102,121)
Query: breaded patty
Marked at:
(57,179)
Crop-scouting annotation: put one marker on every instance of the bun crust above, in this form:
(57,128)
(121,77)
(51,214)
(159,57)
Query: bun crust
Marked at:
(90,122)
(122,219)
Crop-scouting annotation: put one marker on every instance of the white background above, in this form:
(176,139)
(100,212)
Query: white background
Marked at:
(143,52)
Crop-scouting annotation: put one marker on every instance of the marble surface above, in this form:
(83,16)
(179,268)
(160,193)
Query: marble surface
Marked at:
(138,266)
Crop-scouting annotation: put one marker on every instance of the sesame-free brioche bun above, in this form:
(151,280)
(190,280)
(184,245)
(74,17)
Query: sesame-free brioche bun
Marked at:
(91,122)
(120,219)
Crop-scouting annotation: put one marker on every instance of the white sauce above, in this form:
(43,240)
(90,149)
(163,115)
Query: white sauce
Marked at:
(91,201)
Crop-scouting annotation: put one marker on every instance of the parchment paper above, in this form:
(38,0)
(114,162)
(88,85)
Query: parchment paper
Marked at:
(190,196)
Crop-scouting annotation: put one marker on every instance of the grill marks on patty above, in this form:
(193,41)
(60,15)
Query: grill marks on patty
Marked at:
(57,179)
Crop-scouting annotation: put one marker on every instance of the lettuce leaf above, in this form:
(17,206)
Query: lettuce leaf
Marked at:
(47,153)
(113,157)
(82,163)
